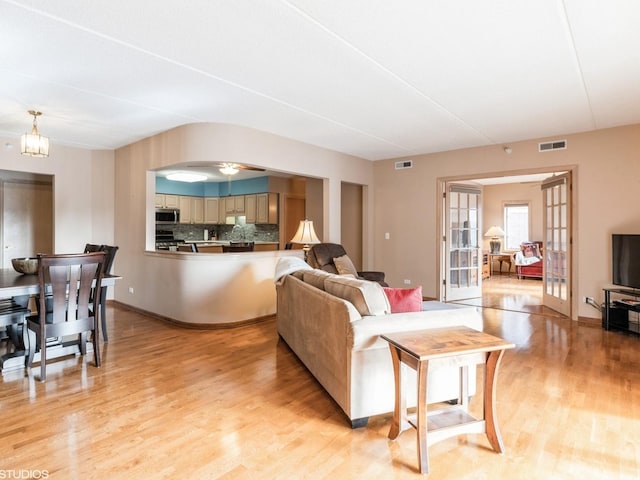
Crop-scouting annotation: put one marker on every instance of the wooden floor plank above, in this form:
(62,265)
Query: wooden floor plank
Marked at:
(237,404)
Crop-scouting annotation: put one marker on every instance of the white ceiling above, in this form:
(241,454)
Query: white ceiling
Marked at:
(372,78)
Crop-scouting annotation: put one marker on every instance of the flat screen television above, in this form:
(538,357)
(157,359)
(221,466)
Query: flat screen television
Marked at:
(626,260)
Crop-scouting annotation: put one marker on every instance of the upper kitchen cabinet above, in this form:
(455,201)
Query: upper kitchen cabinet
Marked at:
(191,209)
(250,208)
(234,205)
(261,208)
(211,210)
(266,208)
(164,200)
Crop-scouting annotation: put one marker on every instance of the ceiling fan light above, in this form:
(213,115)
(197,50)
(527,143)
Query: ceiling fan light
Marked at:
(186,177)
(34,144)
(228,170)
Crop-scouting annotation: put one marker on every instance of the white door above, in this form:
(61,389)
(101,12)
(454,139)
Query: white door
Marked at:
(556,193)
(462,251)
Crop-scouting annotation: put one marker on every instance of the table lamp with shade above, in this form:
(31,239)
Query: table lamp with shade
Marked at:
(495,233)
(305,236)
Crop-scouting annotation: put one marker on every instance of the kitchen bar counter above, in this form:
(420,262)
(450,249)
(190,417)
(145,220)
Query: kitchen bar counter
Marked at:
(206,290)
(226,242)
(215,246)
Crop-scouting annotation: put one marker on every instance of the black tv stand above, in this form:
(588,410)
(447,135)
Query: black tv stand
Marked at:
(621,309)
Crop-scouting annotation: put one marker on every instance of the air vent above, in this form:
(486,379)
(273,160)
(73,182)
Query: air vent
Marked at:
(555,145)
(405,164)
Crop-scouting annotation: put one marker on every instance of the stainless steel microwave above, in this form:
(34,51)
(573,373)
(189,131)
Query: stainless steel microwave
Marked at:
(167,215)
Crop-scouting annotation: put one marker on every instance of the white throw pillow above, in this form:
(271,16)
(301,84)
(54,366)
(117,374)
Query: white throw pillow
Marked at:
(345,266)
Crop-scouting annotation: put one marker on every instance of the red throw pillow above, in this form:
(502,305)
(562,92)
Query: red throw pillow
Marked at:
(404,299)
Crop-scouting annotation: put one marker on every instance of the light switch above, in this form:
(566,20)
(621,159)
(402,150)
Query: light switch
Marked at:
(386,236)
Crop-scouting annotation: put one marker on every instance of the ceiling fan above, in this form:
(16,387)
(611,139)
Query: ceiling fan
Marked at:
(228,168)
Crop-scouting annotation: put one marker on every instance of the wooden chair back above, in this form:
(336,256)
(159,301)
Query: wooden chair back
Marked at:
(70,303)
(110,252)
(238,247)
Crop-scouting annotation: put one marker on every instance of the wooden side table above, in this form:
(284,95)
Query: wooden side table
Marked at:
(415,349)
(499,257)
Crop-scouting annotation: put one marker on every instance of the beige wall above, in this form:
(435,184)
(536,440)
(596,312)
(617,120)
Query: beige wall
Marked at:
(494,198)
(352,222)
(227,288)
(314,195)
(83,185)
(606,185)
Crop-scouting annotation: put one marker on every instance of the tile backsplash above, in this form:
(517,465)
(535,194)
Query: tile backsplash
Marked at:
(248,232)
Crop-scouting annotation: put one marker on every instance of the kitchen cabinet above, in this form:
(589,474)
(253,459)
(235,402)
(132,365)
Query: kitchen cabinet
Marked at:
(211,210)
(265,247)
(164,200)
(191,209)
(250,208)
(261,208)
(266,208)
(185,209)
(197,210)
(234,205)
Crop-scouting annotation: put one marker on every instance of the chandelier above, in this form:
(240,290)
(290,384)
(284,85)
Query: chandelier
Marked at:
(33,143)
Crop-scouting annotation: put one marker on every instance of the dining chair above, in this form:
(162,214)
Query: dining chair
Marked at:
(106,270)
(68,307)
(188,247)
(238,247)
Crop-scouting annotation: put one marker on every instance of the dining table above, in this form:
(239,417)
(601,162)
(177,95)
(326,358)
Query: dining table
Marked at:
(15,284)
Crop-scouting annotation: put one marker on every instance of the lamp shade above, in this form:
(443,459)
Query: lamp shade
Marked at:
(495,232)
(305,235)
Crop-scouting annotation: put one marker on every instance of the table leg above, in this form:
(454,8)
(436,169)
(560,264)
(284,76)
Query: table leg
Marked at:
(400,405)
(423,453)
(490,383)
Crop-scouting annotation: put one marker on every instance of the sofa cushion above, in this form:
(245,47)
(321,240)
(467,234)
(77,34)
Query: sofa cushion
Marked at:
(315,277)
(299,274)
(404,299)
(368,297)
(345,266)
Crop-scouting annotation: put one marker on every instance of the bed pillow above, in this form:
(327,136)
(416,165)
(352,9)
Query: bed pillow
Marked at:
(404,299)
(345,266)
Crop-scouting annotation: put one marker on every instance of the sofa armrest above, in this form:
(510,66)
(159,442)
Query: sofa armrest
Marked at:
(374,277)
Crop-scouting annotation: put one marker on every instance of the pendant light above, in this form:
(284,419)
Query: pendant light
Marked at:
(33,143)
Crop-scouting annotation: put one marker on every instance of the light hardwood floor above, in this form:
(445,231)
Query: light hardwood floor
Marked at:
(170,403)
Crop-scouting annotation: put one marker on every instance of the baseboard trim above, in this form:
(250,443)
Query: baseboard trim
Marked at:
(590,322)
(194,326)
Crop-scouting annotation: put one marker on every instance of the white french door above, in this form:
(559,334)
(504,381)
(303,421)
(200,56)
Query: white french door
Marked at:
(462,252)
(556,194)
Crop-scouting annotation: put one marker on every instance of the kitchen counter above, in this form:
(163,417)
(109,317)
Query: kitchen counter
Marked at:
(215,246)
(209,290)
(226,242)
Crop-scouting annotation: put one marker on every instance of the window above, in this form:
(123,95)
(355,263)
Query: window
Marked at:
(516,225)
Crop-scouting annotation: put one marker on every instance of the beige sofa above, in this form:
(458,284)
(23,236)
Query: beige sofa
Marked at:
(333,324)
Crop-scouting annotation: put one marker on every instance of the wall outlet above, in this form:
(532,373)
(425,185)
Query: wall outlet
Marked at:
(131,290)
(588,300)
(407,281)
(387,236)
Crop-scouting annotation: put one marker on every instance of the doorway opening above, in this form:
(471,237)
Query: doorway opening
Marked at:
(503,286)
(26,205)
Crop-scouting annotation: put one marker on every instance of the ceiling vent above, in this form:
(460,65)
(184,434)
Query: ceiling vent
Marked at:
(555,145)
(404,164)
